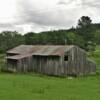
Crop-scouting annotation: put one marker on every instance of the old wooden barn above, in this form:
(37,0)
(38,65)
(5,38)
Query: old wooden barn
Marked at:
(50,60)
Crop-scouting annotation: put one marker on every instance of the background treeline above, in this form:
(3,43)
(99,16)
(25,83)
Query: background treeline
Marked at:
(9,40)
(86,35)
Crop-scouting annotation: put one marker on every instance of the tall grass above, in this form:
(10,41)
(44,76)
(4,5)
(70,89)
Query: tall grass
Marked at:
(96,57)
(2,61)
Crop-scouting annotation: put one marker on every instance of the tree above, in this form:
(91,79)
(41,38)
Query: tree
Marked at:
(97,36)
(30,38)
(9,40)
(85,29)
(84,21)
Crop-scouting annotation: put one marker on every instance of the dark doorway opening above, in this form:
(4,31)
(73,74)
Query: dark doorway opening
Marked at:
(66,58)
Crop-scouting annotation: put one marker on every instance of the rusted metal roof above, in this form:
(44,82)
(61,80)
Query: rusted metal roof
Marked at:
(16,57)
(52,50)
(40,50)
(22,49)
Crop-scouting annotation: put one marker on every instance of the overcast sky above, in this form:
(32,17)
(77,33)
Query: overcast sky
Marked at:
(42,15)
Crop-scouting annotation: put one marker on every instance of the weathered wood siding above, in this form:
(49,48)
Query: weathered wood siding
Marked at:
(50,65)
(12,65)
(25,64)
(77,63)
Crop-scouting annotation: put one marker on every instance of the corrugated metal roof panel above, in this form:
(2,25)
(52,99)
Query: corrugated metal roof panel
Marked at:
(20,49)
(28,50)
(16,57)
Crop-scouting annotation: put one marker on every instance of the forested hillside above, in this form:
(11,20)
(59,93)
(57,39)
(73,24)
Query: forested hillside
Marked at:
(86,35)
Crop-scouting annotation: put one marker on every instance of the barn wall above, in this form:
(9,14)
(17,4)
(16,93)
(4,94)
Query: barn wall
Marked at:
(50,65)
(12,65)
(79,61)
(67,64)
(25,64)
(81,65)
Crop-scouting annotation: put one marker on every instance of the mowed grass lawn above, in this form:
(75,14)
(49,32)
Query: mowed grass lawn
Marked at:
(38,87)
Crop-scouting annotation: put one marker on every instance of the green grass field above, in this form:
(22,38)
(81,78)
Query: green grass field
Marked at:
(38,87)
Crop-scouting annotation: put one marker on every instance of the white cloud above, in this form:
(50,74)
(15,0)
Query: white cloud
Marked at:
(41,15)
(7,10)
